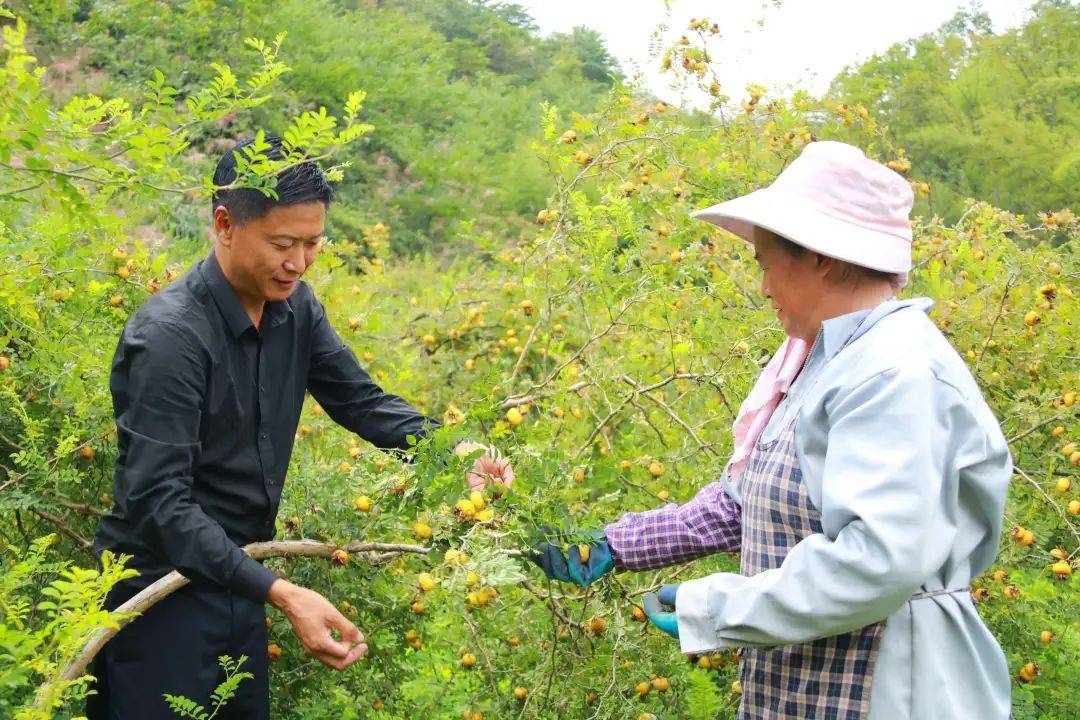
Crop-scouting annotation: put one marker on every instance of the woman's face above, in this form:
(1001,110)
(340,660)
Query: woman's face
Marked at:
(793,284)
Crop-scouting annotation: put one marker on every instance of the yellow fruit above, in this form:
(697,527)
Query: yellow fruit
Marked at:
(568,137)
(485,516)
(429,339)
(520,694)
(5,363)
(344,467)
(1032,318)
(119,254)
(597,625)
(86,452)
(339,557)
(656,469)
(362,503)
(468,660)
(1064,485)
(513,416)
(273,651)
(1074,458)
(1068,449)
(1028,672)
(1011,591)
(1046,636)
(514,641)
(477,499)
(465,509)
(642,689)
(543,217)
(1074,507)
(1000,576)
(1059,554)
(1061,569)
(704,663)
(579,474)
(454,557)
(472,579)
(422,531)
(638,614)
(354,323)
(663,495)
(426,581)
(661,684)
(116,301)
(1068,399)
(736,687)
(1058,431)
(980,594)
(582,158)
(418,608)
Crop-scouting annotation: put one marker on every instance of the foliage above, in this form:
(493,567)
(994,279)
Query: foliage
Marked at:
(36,639)
(603,346)
(222,694)
(986,115)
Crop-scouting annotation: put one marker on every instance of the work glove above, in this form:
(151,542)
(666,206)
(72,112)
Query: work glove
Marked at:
(660,607)
(582,564)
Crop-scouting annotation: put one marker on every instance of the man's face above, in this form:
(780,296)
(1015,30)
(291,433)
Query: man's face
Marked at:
(269,254)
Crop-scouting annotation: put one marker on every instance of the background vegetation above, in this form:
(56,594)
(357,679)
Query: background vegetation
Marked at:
(511,251)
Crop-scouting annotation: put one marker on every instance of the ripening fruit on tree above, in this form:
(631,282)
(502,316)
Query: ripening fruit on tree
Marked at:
(426,581)
(1074,507)
(5,363)
(339,557)
(1061,569)
(273,652)
(597,626)
(656,469)
(520,694)
(86,452)
(362,503)
(642,689)
(568,137)
(468,660)
(661,684)
(1028,672)
(1064,485)
(422,531)
(513,416)
(1046,636)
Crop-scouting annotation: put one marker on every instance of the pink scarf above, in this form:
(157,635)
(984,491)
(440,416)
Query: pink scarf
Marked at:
(758,407)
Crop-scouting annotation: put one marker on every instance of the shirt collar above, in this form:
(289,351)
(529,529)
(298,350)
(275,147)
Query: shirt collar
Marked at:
(229,304)
(837,331)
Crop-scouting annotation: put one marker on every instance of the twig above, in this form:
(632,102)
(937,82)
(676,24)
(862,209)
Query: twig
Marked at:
(162,588)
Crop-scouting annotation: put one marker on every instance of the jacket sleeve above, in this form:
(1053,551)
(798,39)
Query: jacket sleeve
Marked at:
(351,398)
(709,523)
(158,437)
(887,521)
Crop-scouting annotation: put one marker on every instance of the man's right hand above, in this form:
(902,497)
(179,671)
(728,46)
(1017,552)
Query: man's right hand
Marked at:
(313,617)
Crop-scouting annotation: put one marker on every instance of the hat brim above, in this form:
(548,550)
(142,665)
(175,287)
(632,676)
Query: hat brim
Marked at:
(807,226)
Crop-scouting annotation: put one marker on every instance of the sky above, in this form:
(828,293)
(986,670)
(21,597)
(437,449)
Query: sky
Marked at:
(779,44)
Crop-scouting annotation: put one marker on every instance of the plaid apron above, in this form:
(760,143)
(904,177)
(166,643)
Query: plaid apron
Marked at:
(828,678)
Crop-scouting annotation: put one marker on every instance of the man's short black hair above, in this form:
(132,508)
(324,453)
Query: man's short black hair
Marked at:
(298,184)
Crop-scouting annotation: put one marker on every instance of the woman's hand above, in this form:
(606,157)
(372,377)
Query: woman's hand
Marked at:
(582,564)
(660,607)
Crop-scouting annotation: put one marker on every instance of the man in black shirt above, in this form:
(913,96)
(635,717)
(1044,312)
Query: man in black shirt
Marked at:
(208,381)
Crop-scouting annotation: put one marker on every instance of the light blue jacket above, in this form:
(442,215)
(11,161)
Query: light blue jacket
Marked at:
(909,469)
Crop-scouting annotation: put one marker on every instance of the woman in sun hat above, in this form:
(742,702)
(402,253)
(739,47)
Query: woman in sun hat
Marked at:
(866,487)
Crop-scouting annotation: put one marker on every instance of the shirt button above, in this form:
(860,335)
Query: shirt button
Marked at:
(264,436)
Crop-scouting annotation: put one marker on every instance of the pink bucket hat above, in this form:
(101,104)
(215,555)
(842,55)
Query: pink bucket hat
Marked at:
(833,200)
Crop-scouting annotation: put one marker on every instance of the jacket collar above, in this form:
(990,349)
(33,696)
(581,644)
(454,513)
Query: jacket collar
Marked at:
(229,304)
(838,331)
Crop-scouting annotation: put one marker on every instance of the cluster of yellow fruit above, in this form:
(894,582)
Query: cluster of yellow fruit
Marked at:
(657,683)
(1022,535)
(474,508)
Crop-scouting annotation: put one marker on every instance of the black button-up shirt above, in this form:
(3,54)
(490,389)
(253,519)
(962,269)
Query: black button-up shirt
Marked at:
(207,407)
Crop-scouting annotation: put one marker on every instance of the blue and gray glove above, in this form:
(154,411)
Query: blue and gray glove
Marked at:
(582,564)
(660,607)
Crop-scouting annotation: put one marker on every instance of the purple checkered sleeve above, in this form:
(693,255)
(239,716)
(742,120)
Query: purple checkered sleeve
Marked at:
(709,523)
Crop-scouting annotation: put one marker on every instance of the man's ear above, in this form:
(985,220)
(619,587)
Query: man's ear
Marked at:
(223,225)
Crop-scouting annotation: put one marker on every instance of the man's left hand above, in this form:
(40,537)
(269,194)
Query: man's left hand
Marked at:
(488,469)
